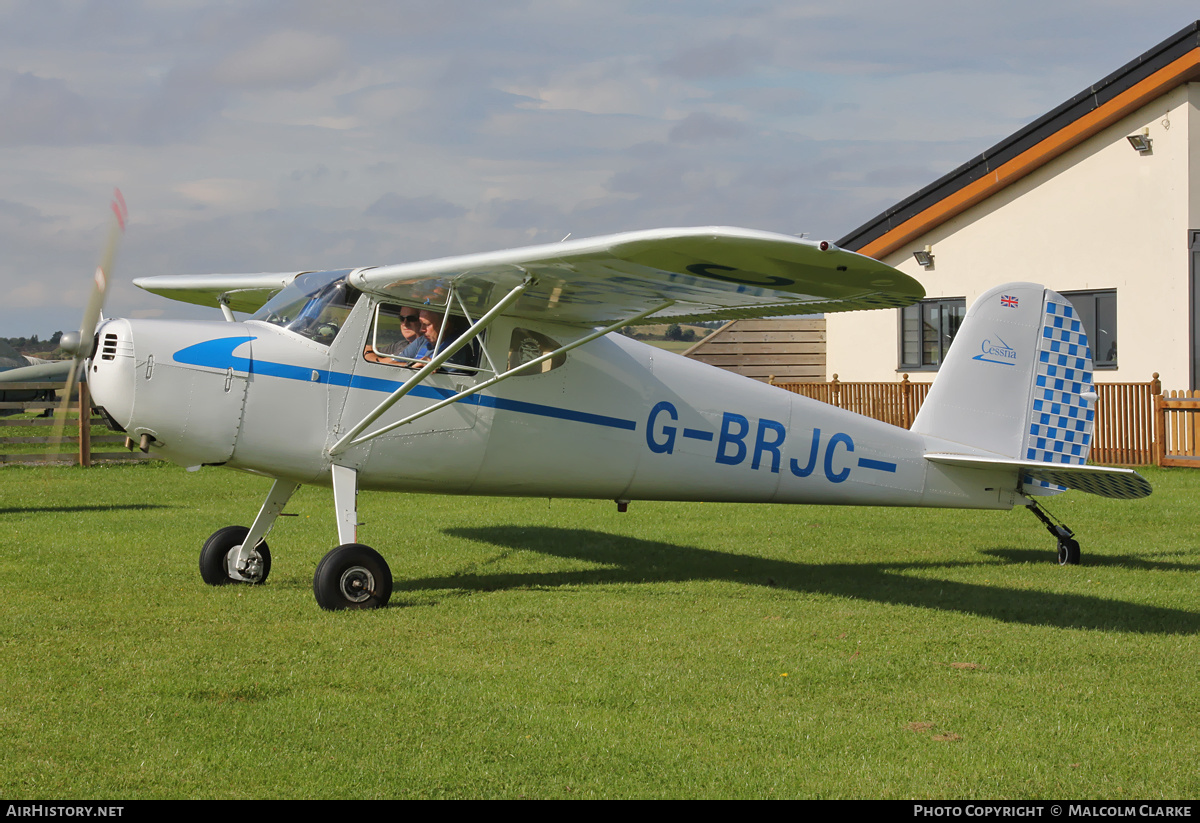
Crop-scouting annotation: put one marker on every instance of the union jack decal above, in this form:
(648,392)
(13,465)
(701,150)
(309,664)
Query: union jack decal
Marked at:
(1009,301)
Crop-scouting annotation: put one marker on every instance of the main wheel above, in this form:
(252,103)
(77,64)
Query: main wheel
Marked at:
(1068,552)
(217,556)
(352,576)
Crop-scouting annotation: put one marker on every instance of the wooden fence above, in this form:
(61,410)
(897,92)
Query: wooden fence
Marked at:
(1124,427)
(792,349)
(895,403)
(1135,425)
(78,428)
(1177,428)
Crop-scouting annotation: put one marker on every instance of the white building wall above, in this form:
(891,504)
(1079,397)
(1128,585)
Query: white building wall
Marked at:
(1100,216)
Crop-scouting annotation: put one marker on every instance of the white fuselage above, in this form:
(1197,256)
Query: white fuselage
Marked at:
(616,419)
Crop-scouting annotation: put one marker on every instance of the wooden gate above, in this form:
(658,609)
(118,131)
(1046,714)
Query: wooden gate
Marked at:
(1123,434)
(1177,428)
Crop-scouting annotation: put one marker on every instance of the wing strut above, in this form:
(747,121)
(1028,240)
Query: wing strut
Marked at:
(223,302)
(352,438)
(429,368)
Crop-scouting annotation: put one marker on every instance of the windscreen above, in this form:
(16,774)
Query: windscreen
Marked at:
(314,305)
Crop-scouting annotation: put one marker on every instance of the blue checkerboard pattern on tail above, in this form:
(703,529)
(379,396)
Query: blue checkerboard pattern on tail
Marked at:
(1060,419)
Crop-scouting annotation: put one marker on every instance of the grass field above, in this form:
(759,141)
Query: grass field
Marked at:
(554,649)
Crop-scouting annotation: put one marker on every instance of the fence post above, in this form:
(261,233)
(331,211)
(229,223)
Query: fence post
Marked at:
(85,425)
(835,392)
(906,401)
(1160,429)
(1158,448)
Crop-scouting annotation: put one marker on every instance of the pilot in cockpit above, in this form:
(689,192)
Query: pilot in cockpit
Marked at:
(439,331)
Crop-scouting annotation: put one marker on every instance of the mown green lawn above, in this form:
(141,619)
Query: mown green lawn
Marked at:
(552,649)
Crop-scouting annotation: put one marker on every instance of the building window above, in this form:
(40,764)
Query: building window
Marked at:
(1098,312)
(926,330)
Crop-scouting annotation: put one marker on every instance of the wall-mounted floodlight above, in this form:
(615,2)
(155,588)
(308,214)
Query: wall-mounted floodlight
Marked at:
(1141,142)
(924,257)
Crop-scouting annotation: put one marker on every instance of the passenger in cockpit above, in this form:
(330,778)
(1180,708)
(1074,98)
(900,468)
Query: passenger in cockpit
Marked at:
(410,328)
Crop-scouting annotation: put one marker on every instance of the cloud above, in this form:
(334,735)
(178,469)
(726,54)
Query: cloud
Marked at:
(701,127)
(729,56)
(44,111)
(227,193)
(398,208)
(282,60)
(22,216)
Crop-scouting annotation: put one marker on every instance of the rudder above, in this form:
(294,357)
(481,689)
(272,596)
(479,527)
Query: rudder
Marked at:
(1017,382)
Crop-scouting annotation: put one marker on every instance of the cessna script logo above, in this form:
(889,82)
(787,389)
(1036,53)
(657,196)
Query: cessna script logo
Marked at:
(996,351)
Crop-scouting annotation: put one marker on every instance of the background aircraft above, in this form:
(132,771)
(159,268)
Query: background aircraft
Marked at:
(19,368)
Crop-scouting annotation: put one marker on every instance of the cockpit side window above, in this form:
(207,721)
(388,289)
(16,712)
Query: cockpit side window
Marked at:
(410,336)
(394,328)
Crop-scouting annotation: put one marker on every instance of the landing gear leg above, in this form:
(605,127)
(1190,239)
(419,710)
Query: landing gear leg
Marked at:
(1068,546)
(236,554)
(352,576)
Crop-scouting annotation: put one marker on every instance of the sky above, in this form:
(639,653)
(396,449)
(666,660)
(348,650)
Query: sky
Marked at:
(288,135)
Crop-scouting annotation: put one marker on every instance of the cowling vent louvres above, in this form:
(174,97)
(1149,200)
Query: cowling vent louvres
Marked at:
(108,349)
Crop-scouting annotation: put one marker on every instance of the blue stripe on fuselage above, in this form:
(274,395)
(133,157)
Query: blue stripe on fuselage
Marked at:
(878,465)
(218,354)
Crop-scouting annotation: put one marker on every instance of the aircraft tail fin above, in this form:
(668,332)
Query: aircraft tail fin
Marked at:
(1017,383)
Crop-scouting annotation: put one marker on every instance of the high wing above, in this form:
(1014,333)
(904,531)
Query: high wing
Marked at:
(708,273)
(46,371)
(241,292)
(705,273)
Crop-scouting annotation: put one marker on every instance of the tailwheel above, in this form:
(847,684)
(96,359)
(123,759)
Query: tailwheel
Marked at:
(1068,546)
(222,562)
(352,576)
(1068,552)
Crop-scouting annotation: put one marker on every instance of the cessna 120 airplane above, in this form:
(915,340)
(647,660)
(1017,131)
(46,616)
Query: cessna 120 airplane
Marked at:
(526,393)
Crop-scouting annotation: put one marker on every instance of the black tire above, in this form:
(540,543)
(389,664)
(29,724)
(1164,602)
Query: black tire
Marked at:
(352,576)
(1068,552)
(213,567)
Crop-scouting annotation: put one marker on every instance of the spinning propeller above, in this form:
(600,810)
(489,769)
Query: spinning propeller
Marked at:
(82,344)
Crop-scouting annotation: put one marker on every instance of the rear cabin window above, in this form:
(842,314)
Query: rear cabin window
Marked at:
(526,346)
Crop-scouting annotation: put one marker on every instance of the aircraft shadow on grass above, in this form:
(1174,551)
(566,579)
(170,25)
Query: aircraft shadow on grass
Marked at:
(631,560)
(97,507)
(1143,561)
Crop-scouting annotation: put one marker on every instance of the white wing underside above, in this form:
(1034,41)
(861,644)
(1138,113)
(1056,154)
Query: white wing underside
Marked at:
(241,292)
(704,273)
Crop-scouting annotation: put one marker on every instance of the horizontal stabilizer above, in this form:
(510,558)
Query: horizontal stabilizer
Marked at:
(1124,484)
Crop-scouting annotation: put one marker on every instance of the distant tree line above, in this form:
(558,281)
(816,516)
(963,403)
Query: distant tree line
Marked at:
(33,345)
(683,334)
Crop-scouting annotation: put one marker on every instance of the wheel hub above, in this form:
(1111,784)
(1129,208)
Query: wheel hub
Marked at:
(252,568)
(357,584)
(248,569)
